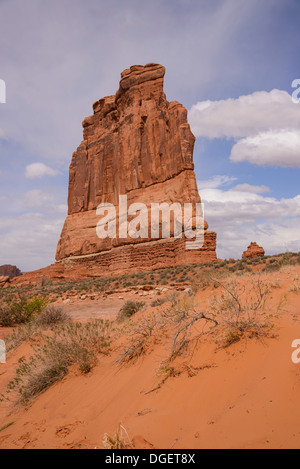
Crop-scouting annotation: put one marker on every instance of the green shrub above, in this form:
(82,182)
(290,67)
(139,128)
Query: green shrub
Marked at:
(22,311)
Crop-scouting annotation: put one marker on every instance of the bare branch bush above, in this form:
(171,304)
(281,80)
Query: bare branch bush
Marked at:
(140,333)
(241,309)
(183,318)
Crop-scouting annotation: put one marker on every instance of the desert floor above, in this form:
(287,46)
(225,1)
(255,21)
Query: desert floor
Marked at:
(242,395)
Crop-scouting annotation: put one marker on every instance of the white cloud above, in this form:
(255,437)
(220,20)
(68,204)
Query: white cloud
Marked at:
(265,124)
(30,226)
(240,216)
(39,170)
(279,148)
(36,198)
(250,188)
(245,116)
(215,181)
(30,240)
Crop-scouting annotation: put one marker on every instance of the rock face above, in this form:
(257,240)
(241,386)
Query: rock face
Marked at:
(10,270)
(140,145)
(253,251)
(4,281)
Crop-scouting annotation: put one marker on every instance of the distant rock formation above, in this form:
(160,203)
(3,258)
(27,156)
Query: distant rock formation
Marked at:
(253,251)
(136,144)
(10,270)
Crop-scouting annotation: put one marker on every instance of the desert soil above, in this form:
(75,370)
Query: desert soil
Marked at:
(243,396)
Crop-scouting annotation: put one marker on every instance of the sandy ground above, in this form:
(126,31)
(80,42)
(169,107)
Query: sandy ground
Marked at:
(244,396)
(106,308)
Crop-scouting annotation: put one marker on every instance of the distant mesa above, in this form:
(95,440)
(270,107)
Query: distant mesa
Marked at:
(10,271)
(253,251)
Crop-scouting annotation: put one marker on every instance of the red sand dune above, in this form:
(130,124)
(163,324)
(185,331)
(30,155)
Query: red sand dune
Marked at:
(245,396)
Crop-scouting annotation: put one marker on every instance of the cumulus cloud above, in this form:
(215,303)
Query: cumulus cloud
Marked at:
(250,188)
(39,170)
(266,126)
(37,199)
(273,148)
(215,181)
(29,238)
(241,216)
(30,226)
(245,116)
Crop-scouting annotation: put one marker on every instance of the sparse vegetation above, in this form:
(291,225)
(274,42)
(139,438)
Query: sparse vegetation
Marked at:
(183,318)
(129,309)
(72,344)
(241,309)
(22,311)
(120,440)
(140,333)
(238,310)
(7,425)
(52,315)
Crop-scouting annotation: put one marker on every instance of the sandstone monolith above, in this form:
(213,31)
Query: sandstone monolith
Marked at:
(137,144)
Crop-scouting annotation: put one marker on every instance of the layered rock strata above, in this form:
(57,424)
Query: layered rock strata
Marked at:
(253,251)
(140,145)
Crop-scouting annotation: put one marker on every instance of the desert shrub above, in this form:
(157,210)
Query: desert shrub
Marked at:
(72,344)
(52,315)
(201,281)
(273,266)
(172,297)
(164,282)
(22,311)
(20,334)
(241,309)
(158,302)
(183,319)
(141,332)
(129,309)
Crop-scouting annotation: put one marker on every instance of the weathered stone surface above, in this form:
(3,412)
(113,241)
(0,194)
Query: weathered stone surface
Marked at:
(10,270)
(253,251)
(136,144)
(4,281)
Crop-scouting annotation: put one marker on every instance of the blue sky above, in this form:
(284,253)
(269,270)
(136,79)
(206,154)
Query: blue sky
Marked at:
(58,57)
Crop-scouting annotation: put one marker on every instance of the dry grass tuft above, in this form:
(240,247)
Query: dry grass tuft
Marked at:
(120,440)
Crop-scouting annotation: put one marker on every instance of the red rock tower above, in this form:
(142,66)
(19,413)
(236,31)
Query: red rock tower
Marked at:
(136,144)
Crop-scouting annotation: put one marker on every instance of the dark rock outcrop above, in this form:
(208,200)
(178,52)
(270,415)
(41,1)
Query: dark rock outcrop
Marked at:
(10,270)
